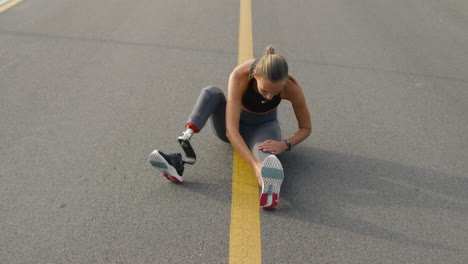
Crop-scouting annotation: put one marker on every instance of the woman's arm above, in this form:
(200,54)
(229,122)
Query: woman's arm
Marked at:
(296,96)
(238,81)
(294,93)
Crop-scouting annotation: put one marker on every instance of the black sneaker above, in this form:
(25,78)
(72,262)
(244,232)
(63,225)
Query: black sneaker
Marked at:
(170,165)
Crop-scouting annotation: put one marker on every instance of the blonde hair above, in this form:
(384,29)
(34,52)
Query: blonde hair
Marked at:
(271,66)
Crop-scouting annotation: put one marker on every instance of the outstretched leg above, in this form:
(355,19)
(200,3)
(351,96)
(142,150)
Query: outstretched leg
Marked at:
(255,130)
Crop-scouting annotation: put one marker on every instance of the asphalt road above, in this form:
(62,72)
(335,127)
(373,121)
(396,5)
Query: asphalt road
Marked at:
(89,88)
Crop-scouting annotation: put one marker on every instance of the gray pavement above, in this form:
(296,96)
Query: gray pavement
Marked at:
(89,88)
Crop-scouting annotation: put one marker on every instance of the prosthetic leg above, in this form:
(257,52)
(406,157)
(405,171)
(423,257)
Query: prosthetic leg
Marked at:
(184,142)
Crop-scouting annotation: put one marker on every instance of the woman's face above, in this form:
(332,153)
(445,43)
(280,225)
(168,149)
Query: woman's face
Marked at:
(269,89)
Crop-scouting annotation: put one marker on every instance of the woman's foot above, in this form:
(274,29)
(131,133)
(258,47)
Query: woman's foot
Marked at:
(170,165)
(272,176)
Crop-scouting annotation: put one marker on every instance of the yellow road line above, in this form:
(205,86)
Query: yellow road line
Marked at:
(245,240)
(245,50)
(9,4)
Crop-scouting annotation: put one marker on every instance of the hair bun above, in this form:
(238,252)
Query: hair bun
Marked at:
(269,50)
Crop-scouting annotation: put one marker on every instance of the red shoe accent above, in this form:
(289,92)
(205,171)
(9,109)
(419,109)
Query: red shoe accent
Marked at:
(263,199)
(193,127)
(174,179)
(167,177)
(274,203)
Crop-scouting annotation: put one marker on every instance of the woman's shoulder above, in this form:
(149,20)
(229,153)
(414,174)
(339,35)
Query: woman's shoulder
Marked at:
(243,70)
(239,79)
(292,89)
(293,80)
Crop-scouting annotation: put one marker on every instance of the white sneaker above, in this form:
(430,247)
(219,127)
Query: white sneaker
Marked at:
(272,175)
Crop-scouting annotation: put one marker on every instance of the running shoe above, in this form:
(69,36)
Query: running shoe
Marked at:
(272,175)
(170,165)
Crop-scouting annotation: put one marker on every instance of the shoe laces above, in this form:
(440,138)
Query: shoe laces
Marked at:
(175,159)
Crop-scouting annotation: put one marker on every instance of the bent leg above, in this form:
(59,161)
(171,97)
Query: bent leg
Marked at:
(218,124)
(210,101)
(210,104)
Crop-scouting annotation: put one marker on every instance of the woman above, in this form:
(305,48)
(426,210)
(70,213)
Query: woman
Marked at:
(248,120)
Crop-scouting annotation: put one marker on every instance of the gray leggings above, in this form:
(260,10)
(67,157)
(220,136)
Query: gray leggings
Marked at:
(254,129)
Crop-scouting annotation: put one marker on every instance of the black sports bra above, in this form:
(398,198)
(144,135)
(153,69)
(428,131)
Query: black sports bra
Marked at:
(253,101)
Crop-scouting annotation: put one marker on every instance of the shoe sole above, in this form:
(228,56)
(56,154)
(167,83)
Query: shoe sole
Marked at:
(167,170)
(273,176)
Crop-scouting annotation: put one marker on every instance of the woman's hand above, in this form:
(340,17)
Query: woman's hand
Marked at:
(273,146)
(258,173)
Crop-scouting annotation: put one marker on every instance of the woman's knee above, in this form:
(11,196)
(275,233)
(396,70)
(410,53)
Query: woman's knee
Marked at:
(212,90)
(259,154)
